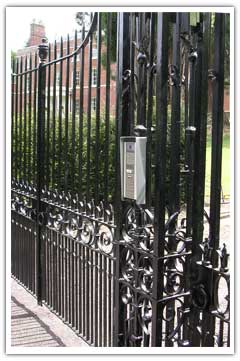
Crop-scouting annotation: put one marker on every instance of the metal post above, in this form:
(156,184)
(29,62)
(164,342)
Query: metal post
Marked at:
(43,52)
(217,134)
(122,126)
(160,174)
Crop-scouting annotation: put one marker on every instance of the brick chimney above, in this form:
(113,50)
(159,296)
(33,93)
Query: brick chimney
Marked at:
(37,32)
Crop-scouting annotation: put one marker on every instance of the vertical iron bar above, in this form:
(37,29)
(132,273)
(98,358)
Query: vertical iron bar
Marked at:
(200,144)
(100,300)
(160,174)
(12,118)
(20,122)
(35,121)
(122,128)
(25,124)
(132,99)
(87,295)
(150,114)
(96,308)
(200,151)
(16,141)
(107,100)
(53,155)
(97,175)
(80,165)
(217,135)
(105,298)
(48,121)
(60,117)
(88,190)
(174,171)
(73,116)
(175,122)
(43,50)
(66,174)
(30,150)
(142,75)
(91,301)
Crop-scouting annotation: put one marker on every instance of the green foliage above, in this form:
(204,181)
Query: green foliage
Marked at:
(113,43)
(13,56)
(65,148)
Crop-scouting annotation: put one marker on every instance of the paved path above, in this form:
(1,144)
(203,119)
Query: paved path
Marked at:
(35,326)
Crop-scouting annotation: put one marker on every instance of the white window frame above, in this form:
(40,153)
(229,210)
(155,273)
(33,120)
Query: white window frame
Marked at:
(94,53)
(94,77)
(93,104)
(77,78)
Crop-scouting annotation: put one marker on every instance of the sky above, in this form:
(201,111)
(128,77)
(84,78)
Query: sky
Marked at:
(58,21)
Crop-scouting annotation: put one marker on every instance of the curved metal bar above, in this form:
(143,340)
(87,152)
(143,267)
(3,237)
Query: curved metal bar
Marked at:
(25,72)
(83,44)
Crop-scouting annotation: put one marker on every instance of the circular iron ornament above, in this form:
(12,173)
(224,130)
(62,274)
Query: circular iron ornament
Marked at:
(72,228)
(172,284)
(221,295)
(173,276)
(52,216)
(58,222)
(23,209)
(87,232)
(146,274)
(145,314)
(15,204)
(129,226)
(105,239)
(169,310)
(128,265)
(146,239)
(139,235)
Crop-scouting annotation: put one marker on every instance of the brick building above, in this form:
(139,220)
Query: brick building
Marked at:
(37,32)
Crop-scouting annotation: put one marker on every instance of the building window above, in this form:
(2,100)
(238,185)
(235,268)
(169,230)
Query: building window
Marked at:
(93,104)
(77,78)
(77,106)
(29,82)
(58,78)
(28,63)
(94,77)
(94,53)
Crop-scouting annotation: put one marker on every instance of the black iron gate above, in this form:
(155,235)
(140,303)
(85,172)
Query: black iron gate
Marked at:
(118,273)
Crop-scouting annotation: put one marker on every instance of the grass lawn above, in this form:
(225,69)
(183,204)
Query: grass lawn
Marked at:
(225,165)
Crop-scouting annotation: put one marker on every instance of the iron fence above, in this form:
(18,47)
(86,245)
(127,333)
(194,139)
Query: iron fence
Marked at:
(118,273)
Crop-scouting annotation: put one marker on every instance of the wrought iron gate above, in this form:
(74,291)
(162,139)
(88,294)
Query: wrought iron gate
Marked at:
(118,273)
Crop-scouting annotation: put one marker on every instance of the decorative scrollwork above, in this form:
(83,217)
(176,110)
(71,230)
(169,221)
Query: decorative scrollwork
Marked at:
(139,235)
(58,222)
(87,231)
(222,296)
(126,295)
(73,227)
(174,276)
(105,239)
(145,314)
(128,265)
(146,274)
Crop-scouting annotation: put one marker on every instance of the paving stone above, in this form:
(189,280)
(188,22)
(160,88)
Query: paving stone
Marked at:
(35,326)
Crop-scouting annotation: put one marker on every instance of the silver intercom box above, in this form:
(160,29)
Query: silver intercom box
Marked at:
(133,168)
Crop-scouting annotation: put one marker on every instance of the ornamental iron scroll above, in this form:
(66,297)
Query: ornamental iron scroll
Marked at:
(140,236)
